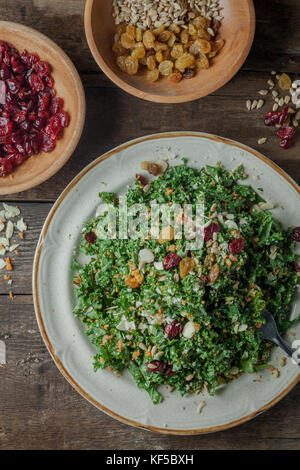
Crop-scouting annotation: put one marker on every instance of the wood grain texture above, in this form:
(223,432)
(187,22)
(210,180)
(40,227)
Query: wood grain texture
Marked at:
(38,408)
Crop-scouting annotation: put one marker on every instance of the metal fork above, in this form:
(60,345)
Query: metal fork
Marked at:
(269,332)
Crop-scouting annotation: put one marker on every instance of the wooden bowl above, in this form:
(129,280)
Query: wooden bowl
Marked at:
(238,27)
(39,168)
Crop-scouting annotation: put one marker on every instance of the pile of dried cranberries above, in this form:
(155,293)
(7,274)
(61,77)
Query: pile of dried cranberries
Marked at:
(285,132)
(32,118)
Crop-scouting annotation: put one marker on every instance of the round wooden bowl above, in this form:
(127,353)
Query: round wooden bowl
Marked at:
(238,27)
(39,168)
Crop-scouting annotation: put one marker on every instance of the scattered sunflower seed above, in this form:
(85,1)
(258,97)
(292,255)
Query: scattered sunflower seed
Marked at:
(260,104)
(263,92)
(254,104)
(295,123)
(262,140)
(248,104)
(201,406)
(275,106)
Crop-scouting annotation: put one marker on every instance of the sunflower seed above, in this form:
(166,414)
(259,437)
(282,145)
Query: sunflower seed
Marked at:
(263,92)
(248,104)
(262,140)
(260,104)
(295,123)
(275,106)
(254,104)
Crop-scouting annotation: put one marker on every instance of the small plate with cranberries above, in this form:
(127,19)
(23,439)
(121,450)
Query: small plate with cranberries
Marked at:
(42,108)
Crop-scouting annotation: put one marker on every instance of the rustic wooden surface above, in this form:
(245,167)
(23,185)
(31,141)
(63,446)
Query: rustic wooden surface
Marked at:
(38,408)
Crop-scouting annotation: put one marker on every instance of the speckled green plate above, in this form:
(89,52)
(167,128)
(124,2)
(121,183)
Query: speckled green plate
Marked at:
(71,350)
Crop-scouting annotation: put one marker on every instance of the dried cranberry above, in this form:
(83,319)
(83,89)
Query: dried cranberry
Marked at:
(48,145)
(172,330)
(29,59)
(271,118)
(285,143)
(36,82)
(237,245)
(295,267)
(171,261)
(295,234)
(91,237)
(31,119)
(209,231)
(160,366)
(5,167)
(42,69)
(64,118)
(169,370)
(283,115)
(188,73)
(141,179)
(56,105)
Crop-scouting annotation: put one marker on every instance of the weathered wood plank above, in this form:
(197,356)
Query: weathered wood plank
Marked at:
(110,122)
(34,215)
(36,397)
(276,44)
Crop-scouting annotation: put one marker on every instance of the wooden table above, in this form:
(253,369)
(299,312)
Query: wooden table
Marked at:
(38,408)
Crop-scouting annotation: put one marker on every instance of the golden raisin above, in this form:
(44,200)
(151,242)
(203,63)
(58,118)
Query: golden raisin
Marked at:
(175,77)
(132,65)
(139,51)
(177,51)
(121,62)
(216,46)
(166,235)
(174,28)
(186,265)
(160,46)
(200,22)
(192,29)
(151,62)
(139,35)
(131,31)
(202,62)
(148,39)
(127,41)
(284,82)
(203,34)
(184,61)
(164,36)
(159,56)
(165,67)
(172,40)
(214,273)
(204,45)
(152,75)
(184,36)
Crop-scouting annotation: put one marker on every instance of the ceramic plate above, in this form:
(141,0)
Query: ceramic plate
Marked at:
(71,350)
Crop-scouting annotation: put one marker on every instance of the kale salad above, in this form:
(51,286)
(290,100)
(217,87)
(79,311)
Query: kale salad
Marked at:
(187,319)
